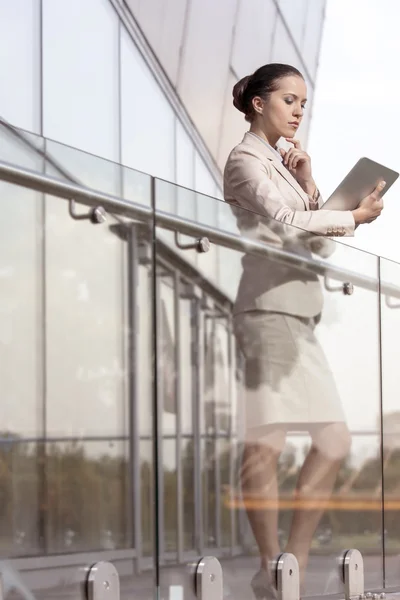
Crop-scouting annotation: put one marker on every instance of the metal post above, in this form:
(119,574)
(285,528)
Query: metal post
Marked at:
(353,574)
(209,579)
(287,577)
(103,582)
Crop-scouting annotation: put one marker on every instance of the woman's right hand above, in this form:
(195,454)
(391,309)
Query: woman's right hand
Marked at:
(370,207)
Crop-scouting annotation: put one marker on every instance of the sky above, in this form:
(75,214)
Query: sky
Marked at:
(357,110)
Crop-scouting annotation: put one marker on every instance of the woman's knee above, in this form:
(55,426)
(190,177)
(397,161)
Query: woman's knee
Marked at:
(333,441)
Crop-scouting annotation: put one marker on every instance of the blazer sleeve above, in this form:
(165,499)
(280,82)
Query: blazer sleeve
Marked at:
(248,183)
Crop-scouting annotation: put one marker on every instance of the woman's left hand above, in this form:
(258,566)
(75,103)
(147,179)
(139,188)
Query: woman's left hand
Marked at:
(298,163)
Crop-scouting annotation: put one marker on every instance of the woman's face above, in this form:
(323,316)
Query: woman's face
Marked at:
(282,113)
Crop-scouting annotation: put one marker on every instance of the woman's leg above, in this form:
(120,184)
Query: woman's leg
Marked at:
(330,445)
(258,478)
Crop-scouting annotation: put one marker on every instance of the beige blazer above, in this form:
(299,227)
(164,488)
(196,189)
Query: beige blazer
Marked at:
(278,212)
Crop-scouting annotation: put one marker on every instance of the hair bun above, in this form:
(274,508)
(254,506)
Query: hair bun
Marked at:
(238,92)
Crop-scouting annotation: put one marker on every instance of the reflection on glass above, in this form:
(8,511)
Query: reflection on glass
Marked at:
(86,366)
(390,302)
(144,340)
(170,495)
(147,496)
(288,450)
(21,532)
(225,476)
(188,475)
(76,474)
(167,368)
(185,365)
(209,474)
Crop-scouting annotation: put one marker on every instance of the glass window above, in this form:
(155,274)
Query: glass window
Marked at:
(283,50)
(205,60)
(185,365)
(254,29)
(147,143)
(80,100)
(167,358)
(233,125)
(20,62)
(312,34)
(184,157)
(163,24)
(294,12)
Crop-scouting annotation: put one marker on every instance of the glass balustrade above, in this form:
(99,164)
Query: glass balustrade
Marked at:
(168,397)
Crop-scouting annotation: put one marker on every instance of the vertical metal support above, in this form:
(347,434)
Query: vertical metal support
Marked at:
(287,577)
(178,396)
(198,372)
(133,292)
(209,580)
(353,574)
(103,582)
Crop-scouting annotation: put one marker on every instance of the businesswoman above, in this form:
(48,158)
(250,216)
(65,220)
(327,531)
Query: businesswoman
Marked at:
(289,385)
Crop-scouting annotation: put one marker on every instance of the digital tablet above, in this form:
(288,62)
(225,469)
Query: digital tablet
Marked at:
(359,183)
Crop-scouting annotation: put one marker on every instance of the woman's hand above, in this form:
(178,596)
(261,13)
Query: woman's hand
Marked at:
(298,163)
(370,207)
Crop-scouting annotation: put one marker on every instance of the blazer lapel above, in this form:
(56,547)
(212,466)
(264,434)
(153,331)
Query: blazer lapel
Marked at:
(280,167)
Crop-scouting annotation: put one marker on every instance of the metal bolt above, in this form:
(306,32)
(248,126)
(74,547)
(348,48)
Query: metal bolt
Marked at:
(98,215)
(290,571)
(106,585)
(382,595)
(362,597)
(368,595)
(212,577)
(203,245)
(348,289)
(375,596)
(356,567)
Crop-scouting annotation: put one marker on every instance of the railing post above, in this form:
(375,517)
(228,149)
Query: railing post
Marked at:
(287,577)
(209,579)
(103,582)
(353,574)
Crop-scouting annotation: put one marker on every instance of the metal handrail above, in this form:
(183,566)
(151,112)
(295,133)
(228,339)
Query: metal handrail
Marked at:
(72,191)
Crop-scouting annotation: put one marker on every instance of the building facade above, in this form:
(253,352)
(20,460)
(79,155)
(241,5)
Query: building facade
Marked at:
(110,94)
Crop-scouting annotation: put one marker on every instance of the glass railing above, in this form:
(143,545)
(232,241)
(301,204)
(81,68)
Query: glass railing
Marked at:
(168,397)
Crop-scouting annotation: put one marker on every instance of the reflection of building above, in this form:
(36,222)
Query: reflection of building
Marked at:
(147,84)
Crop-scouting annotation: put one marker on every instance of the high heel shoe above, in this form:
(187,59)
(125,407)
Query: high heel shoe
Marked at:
(262,586)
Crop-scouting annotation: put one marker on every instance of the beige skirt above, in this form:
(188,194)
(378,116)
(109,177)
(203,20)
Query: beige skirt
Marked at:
(287,377)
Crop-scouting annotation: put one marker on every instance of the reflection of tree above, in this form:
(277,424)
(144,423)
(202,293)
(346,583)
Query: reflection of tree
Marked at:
(80,499)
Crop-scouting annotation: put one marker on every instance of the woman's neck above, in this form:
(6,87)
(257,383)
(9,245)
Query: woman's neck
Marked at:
(272,140)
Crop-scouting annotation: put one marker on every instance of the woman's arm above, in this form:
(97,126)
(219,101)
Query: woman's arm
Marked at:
(247,182)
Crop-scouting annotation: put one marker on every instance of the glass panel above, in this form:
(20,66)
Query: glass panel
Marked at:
(167,393)
(295,15)
(206,52)
(286,444)
(390,303)
(20,62)
(80,101)
(253,35)
(140,95)
(163,24)
(283,50)
(76,352)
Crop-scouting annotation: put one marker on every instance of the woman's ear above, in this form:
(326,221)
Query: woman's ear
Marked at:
(258,105)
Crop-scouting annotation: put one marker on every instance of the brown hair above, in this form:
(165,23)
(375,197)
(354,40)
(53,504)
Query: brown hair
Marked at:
(261,83)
